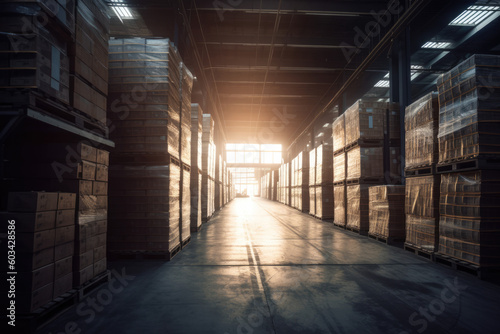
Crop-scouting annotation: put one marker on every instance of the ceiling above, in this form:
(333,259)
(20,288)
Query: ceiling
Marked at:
(267,69)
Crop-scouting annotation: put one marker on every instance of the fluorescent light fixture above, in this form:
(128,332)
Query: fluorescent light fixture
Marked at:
(382,84)
(436,45)
(120,10)
(474,15)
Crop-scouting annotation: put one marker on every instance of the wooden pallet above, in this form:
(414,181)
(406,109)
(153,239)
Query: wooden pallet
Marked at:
(144,255)
(419,251)
(28,323)
(421,171)
(480,272)
(339,183)
(365,180)
(86,288)
(49,105)
(338,152)
(471,164)
(387,240)
(364,143)
(185,242)
(356,230)
(342,226)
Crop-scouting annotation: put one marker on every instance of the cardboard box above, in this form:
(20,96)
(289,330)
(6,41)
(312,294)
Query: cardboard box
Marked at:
(30,301)
(65,218)
(64,234)
(81,261)
(63,267)
(88,170)
(63,285)
(100,266)
(31,222)
(99,253)
(33,280)
(32,201)
(64,250)
(103,157)
(66,201)
(101,173)
(100,188)
(84,275)
(33,242)
(32,261)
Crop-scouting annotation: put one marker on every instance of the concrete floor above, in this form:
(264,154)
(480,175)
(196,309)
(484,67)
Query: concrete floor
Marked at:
(261,267)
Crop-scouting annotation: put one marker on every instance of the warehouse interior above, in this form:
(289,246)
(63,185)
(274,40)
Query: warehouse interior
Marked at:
(249,166)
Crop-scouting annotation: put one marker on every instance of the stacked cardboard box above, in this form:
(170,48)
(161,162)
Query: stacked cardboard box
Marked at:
(357,208)
(145,101)
(44,224)
(208,168)
(422,212)
(312,182)
(468,109)
(469,226)
(196,159)
(89,59)
(468,100)
(339,171)
(324,181)
(387,217)
(300,182)
(35,63)
(144,85)
(421,125)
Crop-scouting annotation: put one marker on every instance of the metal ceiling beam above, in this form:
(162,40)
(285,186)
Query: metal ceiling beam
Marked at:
(399,26)
(280,45)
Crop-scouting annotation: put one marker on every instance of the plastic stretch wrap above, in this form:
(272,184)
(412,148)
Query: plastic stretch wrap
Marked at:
(312,167)
(387,217)
(150,193)
(324,164)
(469,113)
(365,162)
(47,12)
(357,208)
(339,167)
(469,226)
(185,144)
(95,15)
(312,200)
(365,120)
(422,211)
(186,205)
(339,133)
(339,201)
(324,202)
(31,61)
(421,125)
(395,163)
(196,132)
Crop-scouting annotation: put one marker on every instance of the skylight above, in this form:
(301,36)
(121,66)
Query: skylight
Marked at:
(382,84)
(436,45)
(474,15)
(120,10)
(415,73)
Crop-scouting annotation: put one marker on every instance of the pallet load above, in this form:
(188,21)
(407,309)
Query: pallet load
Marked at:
(324,182)
(208,169)
(312,182)
(469,163)
(369,139)
(339,171)
(89,60)
(300,182)
(218,179)
(422,183)
(185,153)
(34,70)
(145,177)
(196,148)
(387,217)
(422,214)
(71,168)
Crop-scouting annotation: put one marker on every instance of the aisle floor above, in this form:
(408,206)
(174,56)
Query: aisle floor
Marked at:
(262,267)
